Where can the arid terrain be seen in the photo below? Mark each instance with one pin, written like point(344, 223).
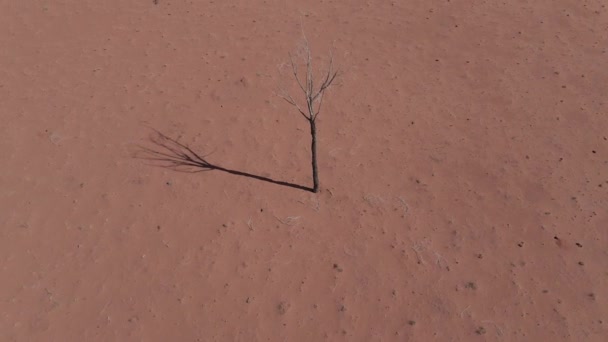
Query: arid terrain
point(463, 163)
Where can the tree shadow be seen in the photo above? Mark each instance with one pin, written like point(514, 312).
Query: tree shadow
point(171, 154)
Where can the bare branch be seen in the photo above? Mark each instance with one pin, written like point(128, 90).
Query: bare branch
point(326, 84)
point(309, 71)
point(319, 107)
point(308, 57)
point(294, 69)
point(292, 102)
point(330, 76)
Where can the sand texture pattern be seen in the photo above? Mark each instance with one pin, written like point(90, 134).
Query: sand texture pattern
point(462, 154)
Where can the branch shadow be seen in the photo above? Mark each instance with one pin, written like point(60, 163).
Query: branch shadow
point(171, 154)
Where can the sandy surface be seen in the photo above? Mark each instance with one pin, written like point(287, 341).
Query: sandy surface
point(463, 160)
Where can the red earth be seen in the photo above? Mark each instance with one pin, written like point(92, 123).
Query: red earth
point(463, 159)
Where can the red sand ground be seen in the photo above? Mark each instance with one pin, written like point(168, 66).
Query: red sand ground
point(463, 158)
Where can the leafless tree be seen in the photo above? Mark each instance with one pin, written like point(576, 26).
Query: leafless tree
point(312, 96)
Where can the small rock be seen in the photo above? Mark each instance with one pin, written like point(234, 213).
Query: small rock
point(480, 331)
point(471, 285)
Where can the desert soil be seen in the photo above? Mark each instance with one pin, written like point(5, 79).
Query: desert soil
point(463, 157)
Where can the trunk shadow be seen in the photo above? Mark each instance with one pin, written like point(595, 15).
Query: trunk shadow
point(171, 154)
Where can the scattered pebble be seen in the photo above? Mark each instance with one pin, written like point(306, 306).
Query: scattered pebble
point(480, 331)
point(282, 308)
point(471, 285)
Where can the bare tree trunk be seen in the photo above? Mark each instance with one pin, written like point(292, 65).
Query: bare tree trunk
point(315, 171)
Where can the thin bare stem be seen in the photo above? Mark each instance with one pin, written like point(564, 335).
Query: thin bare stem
point(294, 69)
point(291, 101)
